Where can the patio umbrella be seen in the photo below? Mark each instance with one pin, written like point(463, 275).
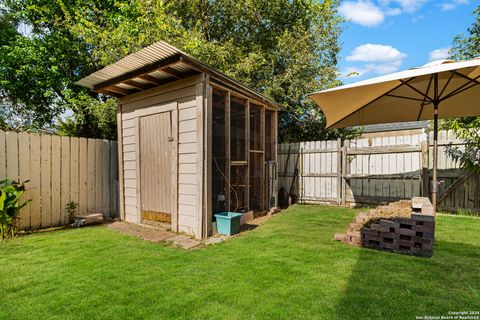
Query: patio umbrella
point(444, 89)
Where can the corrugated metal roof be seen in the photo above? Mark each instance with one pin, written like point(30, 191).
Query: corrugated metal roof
point(152, 55)
point(155, 52)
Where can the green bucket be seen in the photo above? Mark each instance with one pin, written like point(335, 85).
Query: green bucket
point(228, 223)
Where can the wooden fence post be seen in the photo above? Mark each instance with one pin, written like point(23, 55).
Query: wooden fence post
point(344, 172)
point(300, 175)
point(425, 176)
point(339, 171)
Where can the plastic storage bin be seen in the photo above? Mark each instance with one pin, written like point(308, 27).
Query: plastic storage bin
point(228, 223)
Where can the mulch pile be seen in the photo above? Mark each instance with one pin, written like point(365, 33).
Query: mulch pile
point(399, 209)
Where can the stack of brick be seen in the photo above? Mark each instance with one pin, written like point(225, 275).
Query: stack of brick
point(414, 235)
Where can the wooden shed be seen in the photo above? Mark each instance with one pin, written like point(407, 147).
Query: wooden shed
point(192, 141)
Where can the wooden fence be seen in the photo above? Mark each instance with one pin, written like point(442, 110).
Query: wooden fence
point(377, 168)
point(60, 170)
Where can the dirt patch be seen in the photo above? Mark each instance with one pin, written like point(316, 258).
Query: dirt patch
point(153, 234)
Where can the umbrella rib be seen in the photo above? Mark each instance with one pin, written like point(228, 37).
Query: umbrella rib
point(466, 77)
point(452, 73)
point(416, 90)
point(462, 87)
point(402, 97)
point(457, 91)
point(424, 98)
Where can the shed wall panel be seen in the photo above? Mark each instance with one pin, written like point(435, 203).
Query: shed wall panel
point(185, 100)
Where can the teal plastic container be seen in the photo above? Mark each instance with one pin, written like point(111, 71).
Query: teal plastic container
point(228, 223)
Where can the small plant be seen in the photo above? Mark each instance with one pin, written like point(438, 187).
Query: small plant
point(10, 193)
point(71, 209)
point(467, 212)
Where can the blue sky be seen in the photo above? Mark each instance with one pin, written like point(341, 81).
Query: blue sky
point(384, 36)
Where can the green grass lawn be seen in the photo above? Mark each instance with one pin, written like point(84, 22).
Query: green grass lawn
point(288, 268)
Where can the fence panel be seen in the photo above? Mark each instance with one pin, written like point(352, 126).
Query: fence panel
point(383, 168)
point(60, 170)
point(318, 167)
point(377, 168)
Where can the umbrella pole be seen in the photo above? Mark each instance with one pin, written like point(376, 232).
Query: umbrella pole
point(435, 157)
point(435, 143)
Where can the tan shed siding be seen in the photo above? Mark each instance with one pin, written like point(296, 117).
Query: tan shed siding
point(185, 100)
point(187, 163)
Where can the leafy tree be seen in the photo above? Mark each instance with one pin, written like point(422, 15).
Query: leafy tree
point(284, 49)
point(38, 71)
point(468, 47)
point(91, 118)
point(466, 128)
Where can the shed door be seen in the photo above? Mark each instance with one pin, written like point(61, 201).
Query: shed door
point(156, 166)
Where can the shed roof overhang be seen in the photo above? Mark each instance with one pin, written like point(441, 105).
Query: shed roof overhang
point(155, 65)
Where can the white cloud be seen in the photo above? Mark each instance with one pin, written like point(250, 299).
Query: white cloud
point(376, 58)
point(393, 11)
point(439, 54)
point(384, 68)
point(372, 13)
point(410, 5)
point(375, 52)
point(362, 12)
point(446, 6)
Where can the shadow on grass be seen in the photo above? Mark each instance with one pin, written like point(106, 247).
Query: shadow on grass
point(386, 285)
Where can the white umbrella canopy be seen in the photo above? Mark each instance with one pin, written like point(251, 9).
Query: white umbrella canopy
point(444, 89)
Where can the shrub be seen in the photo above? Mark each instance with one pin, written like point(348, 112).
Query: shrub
point(71, 209)
point(10, 193)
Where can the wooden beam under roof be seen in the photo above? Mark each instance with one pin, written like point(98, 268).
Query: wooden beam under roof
point(152, 79)
point(174, 73)
point(137, 85)
point(137, 72)
point(117, 90)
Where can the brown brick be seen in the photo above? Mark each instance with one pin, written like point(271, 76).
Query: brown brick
point(389, 223)
point(405, 232)
point(387, 235)
point(367, 231)
point(419, 202)
point(374, 238)
point(421, 228)
point(422, 240)
point(426, 241)
point(429, 224)
point(409, 222)
point(379, 227)
point(428, 209)
point(423, 217)
point(405, 243)
point(428, 235)
point(427, 246)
